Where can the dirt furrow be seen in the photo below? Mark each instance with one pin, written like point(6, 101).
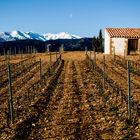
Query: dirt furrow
point(45, 118)
point(22, 128)
point(62, 120)
point(65, 121)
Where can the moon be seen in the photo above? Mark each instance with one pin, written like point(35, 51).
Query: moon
point(71, 15)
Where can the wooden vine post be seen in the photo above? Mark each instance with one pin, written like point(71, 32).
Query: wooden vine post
point(104, 71)
point(4, 52)
point(94, 59)
point(86, 54)
point(90, 58)
point(56, 55)
point(10, 54)
point(40, 68)
point(129, 89)
point(124, 57)
point(114, 55)
point(86, 50)
point(15, 51)
point(50, 61)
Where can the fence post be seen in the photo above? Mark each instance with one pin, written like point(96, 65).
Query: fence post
point(20, 53)
point(89, 62)
point(86, 54)
point(4, 51)
point(35, 53)
point(50, 60)
point(124, 57)
point(129, 89)
point(15, 51)
point(90, 54)
point(10, 54)
point(59, 52)
point(94, 59)
point(40, 68)
point(56, 55)
point(29, 51)
point(104, 71)
point(4, 56)
point(114, 55)
point(86, 50)
point(8, 57)
point(10, 92)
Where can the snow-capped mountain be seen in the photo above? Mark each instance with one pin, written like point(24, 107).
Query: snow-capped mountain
point(35, 36)
point(61, 35)
point(18, 35)
point(5, 36)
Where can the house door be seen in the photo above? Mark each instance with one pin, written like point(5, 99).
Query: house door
point(132, 46)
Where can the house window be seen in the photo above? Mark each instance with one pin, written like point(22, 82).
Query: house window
point(132, 46)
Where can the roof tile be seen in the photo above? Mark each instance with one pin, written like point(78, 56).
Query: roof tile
point(124, 32)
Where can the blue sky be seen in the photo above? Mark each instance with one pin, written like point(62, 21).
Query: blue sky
point(80, 17)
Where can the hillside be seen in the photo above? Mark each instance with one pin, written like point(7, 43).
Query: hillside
point(41, 46)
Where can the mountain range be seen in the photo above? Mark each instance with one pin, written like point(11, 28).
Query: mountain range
point(18, 35)
point(16, 40)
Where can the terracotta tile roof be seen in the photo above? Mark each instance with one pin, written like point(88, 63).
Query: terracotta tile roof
point(124, 32)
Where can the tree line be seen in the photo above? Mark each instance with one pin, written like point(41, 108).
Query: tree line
point(97, 42)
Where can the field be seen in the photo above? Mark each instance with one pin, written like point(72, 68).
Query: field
point(72, 96)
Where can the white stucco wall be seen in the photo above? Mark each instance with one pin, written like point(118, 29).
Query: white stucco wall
point(119, 44)
point(107, 43)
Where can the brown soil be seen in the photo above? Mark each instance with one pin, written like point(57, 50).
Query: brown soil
point(74, 105)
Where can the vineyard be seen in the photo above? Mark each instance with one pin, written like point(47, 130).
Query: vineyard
point(73, 95)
